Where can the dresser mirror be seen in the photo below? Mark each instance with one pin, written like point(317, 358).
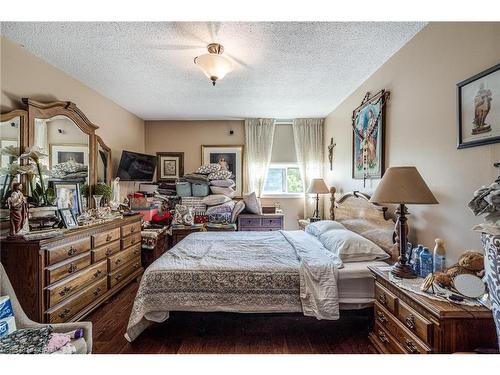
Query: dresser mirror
point(104, 166)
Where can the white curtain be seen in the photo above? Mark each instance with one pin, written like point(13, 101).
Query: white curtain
point(308, 137)
point(259, 135)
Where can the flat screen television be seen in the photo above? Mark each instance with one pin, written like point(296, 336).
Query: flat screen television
point(136, 167)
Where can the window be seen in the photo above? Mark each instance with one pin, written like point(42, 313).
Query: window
point(283, 179)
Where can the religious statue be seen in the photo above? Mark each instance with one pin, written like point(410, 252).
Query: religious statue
point(115, 194)
point(330, 152)
point(18, 206)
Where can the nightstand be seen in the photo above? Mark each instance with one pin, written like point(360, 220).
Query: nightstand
point(264, 222)
point(409, 323)
point(181, 232)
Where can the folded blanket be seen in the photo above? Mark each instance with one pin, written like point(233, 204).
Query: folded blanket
point(198, 177)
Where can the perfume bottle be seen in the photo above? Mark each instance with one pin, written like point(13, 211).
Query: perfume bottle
point(425, 262)
point(439, 256)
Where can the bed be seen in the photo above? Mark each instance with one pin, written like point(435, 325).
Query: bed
point(265, 272)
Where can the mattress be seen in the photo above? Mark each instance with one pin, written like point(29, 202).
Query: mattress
point(356, 285)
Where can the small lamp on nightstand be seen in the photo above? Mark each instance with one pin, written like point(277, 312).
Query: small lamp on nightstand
point(403, 185)
point(317, 187)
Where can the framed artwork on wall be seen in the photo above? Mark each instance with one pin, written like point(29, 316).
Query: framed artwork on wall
point(170, 165)
point(230, 158)
point(479, 109)
point(62, 153)
point(368, 123)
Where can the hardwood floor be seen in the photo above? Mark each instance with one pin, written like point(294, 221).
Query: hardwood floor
point(197, 333)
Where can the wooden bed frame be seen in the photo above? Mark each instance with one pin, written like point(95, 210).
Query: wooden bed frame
point(355, 207)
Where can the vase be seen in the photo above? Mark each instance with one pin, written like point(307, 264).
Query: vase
point(491, 246)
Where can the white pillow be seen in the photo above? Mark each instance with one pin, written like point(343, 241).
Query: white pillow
point(319, 227)
point(350, 246)
point(215, 199)
point(228, 192)
point(238, 208)
point(252, 204)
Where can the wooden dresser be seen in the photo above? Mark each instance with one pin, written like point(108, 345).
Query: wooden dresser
point(406, 322)
point(264, 222)
point(63, 279)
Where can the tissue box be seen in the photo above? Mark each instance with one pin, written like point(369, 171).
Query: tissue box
point(7, 326)
point(5, 307)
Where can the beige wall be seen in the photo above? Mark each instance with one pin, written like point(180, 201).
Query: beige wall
point(189, 136)
point(421, 127)
point(25, 75)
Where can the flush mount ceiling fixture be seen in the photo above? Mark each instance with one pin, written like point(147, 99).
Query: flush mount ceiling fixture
point(213, 64)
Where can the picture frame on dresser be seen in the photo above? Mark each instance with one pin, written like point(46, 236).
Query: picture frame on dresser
point(68, 218)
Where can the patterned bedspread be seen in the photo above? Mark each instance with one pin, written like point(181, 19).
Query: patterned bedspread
point(238, 272)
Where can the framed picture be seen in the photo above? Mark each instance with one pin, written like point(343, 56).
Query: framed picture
point(479, 109)
point(68, 195)
point(368, 123)
point(68, 218)
point(68, 152)
point(230, 158)
point(170, 165)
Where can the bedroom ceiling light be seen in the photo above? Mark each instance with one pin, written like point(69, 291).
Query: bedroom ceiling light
point(213, 64)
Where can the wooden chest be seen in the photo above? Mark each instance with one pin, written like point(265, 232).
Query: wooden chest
point(63, 279)
point(264, 222)
point(408, 323)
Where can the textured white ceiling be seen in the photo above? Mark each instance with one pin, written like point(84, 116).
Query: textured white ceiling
point(282, 69)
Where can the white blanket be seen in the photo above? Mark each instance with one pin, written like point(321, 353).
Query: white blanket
point(287, 271)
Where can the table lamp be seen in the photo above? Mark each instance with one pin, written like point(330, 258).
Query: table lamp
point(317, 187)
point(402, 186)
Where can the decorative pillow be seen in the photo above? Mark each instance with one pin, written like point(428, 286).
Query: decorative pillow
point(252, 204)
point(26, 341)
point(215, 199)
point(319, 227)
point(228, 192)
point(209, 168)
point(220, 218)
point(195, 202)
point(222, 183)
point(238, 209)
point(220, 175)
point(221, 208)
point(183, 215)
point(350, 246)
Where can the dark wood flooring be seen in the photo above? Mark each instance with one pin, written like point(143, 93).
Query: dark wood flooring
point(197, 333)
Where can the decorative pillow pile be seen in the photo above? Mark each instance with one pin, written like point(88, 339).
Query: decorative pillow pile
point(238, 209)
point(220, 175)
point(319, 227)
point(252, 204)
point(215, 199)
point(209, 168)
point(222, 183)
point(228, 192)
point(183, 215)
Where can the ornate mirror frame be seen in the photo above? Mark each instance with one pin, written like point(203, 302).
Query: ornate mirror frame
point(100, 143)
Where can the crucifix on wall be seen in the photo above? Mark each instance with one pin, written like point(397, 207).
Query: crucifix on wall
point(330, 152)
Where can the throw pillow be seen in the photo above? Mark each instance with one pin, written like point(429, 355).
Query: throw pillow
point(222, 183)
point(252, 204)
point(214, 200)
point(220, 218)
point(209, 168)
point(228, 192)
point(183, 215)
point(220, 175)
point(238, 209)
point(221, 208)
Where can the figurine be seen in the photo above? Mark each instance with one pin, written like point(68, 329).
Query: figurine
point(18, 206)
point(115, 195)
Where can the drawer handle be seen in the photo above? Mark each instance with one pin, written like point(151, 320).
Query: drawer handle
point(136, 266)
point(133, 241)
point(410, 346)
point(382, 299)
point(118, 261)
point(109, 251)
point(382, 336)
point(410, 321)
point(118, 277)
point(98, 272)
point(97, 291)
point(109, 237)
point(381, 317)
point(64, 314)
point(65, 291)
point(72, 268)
point(72, 251)
point(132, 230)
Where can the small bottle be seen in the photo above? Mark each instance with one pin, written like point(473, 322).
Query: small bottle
point(416, 258)
point(425, 262)
point(439, 256)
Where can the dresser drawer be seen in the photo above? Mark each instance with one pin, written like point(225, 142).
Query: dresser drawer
point(249, 222)
point(105, 251)
point(70, 307)
point(414, 322)
point(272, 223)
point(131, 240)
point(60, 253)
point(131, 229)
point(384, 339)
point(121, 273)
point(70, 266)
point(69, 286)
point(386, 298)
point(124, 256)
point(105, 237)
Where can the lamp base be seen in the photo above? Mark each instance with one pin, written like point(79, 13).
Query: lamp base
point(313, 219)
point(403, 271)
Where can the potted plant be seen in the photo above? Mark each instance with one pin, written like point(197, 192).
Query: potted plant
point(105, 191)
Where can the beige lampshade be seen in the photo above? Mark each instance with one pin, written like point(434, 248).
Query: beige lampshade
point(317, 186)
point(403, 185)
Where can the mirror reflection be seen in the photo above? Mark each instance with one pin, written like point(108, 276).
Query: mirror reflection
point(10, 134)
point(103, 159)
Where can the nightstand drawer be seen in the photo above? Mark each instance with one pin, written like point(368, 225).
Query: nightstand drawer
point(414, 322)
point(250, 222)
point(386, 298)
point(385, 340)
point(272, 223)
